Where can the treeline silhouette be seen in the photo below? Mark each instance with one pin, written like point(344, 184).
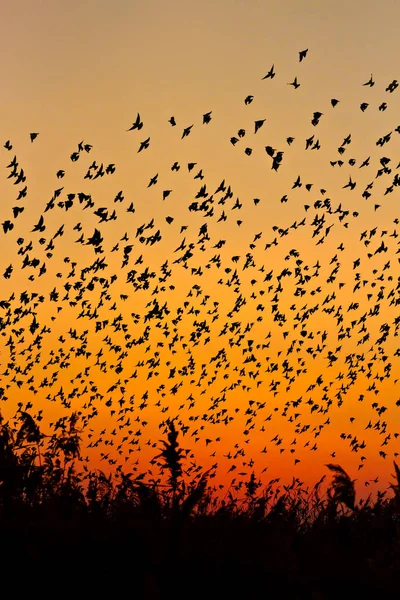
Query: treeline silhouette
point(84, 529)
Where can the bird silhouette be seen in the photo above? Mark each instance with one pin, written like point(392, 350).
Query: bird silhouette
point(137, 124)
point(295, 83)
point(186, 131)
point(302, 54)
point(271, 73)
point(370, 82)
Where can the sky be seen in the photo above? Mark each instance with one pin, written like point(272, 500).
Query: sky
point(244, 328)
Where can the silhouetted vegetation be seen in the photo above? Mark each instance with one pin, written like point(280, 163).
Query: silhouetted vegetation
point(118, 531)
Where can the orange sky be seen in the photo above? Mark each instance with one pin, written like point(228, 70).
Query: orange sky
point(82, 72)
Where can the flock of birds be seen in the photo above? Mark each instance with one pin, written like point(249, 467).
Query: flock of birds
point(212, 360)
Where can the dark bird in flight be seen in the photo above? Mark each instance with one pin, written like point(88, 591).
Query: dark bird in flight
point(302, 54)
point(295, 83)
point(334, 102)
point(40, 226)
point(153, 180)
point(392, 86)
point(7, 226)
point(364, 106)
point(172, 121)
point(277, 160)
point(297, 183)
point(270, 151)
point(248, 99)
point(207, 118)
point(316, 118)
point(351, 184)
point(271, 73)
point(33, 136)
point(258, 125)
point(186, 131)
point(8, 145)
point(370, 81)
point(144, 145)
point(17, 210)
point(138, 124)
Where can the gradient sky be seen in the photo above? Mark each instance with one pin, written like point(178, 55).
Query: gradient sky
point(82, 71)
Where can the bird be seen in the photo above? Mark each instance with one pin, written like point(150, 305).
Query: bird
point(351, 184)
point(302, 54)
point(172, 121)
point(186, 131)
point(40, 226)
point(33, 136)
point(297, 183)
point(206, 118)
point(295, 83)
point(137, 124)
point(271, 73)
point(144, 145)
point(392, 86)
point(248, 100)
point(258, 124)
point(370, 82)
point(316, 117)
point(153, 180)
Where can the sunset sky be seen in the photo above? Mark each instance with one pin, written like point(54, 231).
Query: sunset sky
point(268, 318)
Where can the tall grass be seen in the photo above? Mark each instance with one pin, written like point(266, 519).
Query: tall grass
point(301, 541)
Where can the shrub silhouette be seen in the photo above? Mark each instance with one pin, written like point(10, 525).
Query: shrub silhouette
point(294, 537)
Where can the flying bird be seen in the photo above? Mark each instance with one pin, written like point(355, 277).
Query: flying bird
point(138, 124)
point(271, 73)
point(258, 124)
point(370, 82)
point(144, 145)
point(186, 131)
point(302, 54)
point(295, 83)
